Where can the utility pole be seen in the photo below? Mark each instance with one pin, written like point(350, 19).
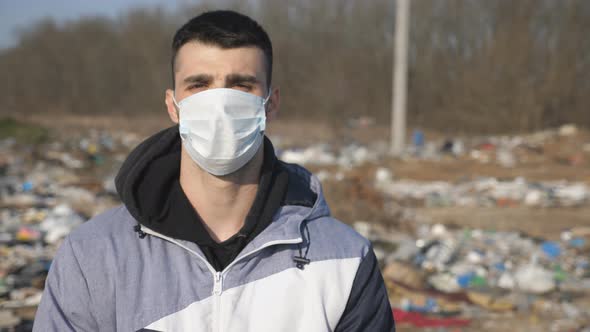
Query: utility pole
point(400, 77)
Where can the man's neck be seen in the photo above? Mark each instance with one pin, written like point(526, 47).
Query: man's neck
point(222, 202)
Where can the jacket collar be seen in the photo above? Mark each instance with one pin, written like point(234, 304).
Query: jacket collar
point(286, 227)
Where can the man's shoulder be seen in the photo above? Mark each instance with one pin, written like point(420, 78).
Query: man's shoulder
point(335, 239)
point(97, 244)
point(115, 222)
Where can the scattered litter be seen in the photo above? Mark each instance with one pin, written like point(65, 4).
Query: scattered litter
point(485, 192)
point(490, 270)
point(432, 271)
point(45, 192)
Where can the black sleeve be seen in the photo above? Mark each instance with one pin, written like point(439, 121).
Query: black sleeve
point(368, 307)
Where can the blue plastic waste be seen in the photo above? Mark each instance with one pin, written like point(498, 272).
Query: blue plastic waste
point(551, 249)
point(464, 280)
point(428, 307)
point(577, 242)
point(27, 186)
point(418, 138)
point(500, 266)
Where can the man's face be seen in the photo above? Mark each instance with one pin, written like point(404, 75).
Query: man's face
point(200, 67)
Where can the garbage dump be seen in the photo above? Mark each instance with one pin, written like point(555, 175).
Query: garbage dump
point(438, 273)
point(459, 278)
point(485, 192)
point(323, 154)
point(438, 276)
point(561, 146)
point(46, 191)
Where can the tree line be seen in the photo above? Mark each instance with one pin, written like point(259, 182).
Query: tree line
point(475, 65)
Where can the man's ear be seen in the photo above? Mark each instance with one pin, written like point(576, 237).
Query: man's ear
point(170, 106)
point(273, 103)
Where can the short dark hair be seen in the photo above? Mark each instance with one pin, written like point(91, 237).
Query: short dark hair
point(226, 29)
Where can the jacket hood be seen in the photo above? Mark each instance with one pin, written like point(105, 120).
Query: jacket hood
point(150, 169)
point(153, 166)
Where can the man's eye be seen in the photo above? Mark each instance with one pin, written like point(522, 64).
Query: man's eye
point(196, 86)
point(243, 86)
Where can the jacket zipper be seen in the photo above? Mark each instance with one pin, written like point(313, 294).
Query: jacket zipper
point(218, 284)
point(217, 288)
point(218, 276)
point(211, 269)
point(169, 239)
point(266, 245)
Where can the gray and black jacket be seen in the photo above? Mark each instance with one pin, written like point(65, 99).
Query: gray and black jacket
point(305, 271)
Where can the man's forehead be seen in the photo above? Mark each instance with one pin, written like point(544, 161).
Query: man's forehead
point(199, 58)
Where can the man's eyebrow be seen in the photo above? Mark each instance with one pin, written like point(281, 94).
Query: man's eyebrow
point(199, 78)
point(233, 79)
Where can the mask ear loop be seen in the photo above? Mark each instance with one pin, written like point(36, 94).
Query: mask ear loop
point(177, 106)
point(267, 97)
point(174, 100)
point(263, 125)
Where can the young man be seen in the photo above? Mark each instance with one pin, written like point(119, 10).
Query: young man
point(215, 233)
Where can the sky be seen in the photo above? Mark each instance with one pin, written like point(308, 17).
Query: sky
point(16, 14)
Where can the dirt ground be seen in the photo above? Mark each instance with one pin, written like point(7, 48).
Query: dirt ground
point(541, 223)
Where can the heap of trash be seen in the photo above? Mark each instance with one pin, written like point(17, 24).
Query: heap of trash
point(451, 276)
point(504, 151)
point(323, 154)
point(483, 192)
point(436, 276)
point(46, 191)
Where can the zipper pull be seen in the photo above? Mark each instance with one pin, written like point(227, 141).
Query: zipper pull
point(217, 283)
